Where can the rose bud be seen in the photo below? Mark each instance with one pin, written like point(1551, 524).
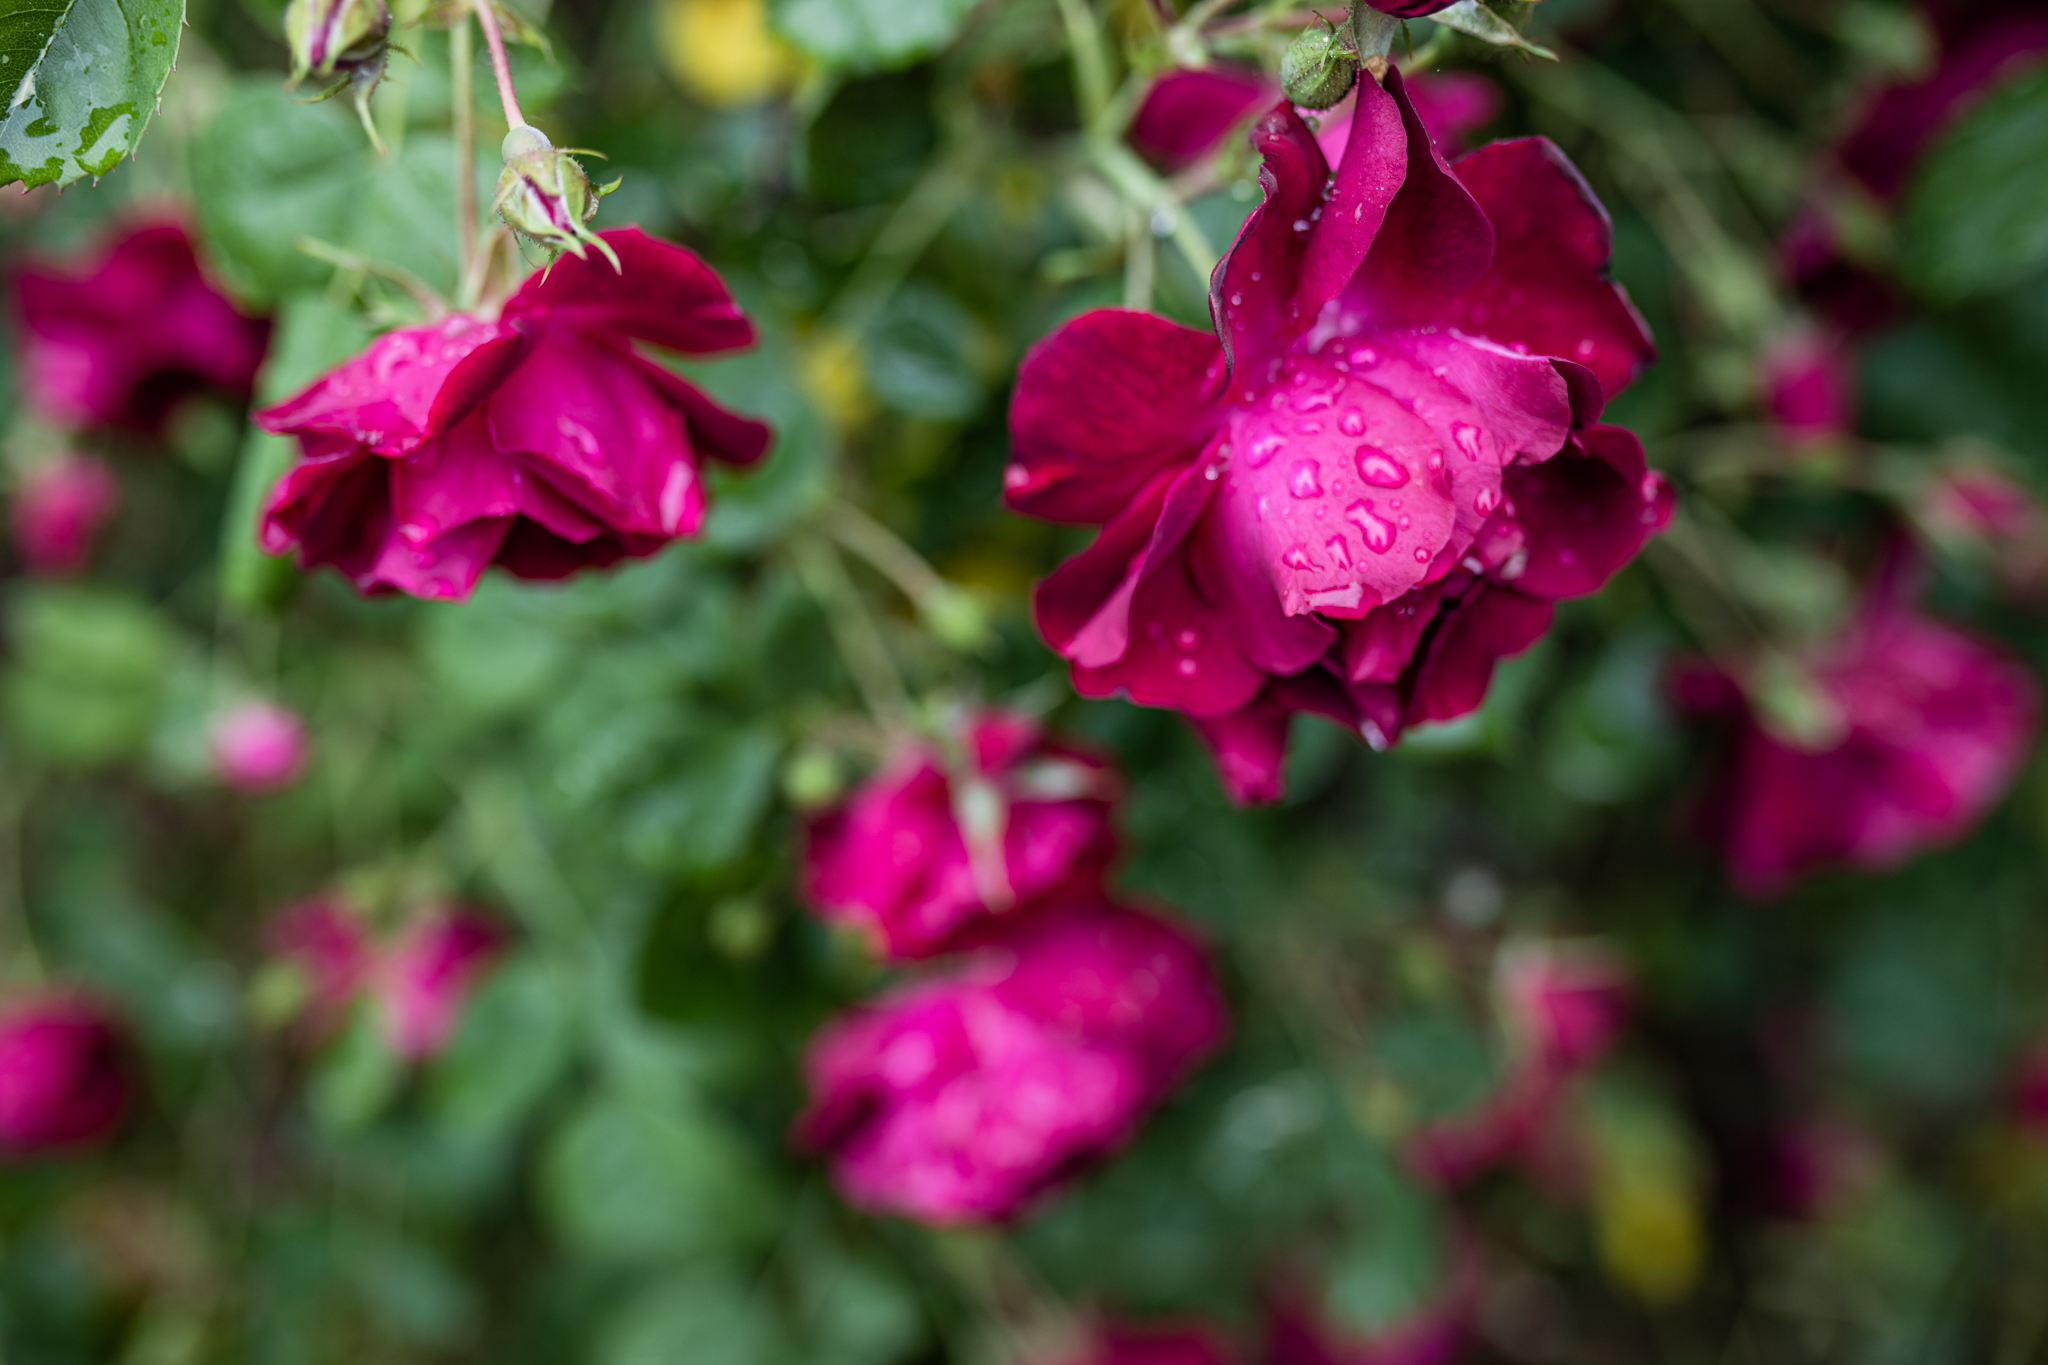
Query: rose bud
point(1564, 1003)
point(929, 850)
point(326, 946)
point(544, 196)
point(1809, 389)
point(331, 38)
point(1318, 68)
point(1375, 477)
point(59, 509)
point(259, 746)
point(63, 1078)
point(424, 980)
point(122, 341)
point(963, 1097)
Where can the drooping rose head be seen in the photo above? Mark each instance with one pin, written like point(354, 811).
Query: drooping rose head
point(539, 440)
point(1378, 475)
point(121, 341)
point(259, 746)
point(1933, 725)
point(1809, 388)
point(422, 980)
point(58, 510)
point(63, 1075)
point(960, 1098)
point(1564, 1003)
point(1187, 114)
point(329, 945)
point(939, 847)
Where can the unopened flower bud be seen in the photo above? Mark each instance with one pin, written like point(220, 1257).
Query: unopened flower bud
point(544, 196)
point(332, 38)
point(259, 746)
point(1318, 69)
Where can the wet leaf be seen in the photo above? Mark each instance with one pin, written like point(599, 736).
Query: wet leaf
point(80, 80)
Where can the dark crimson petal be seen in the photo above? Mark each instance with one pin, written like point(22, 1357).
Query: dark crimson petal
point(1179, 653)
point(1187, 114)
point(475, 377)
point(1368, 182)
point(1431, 247)
point(335, 508)
point(1581, 519)
point(715, 429)
point(1090, 627)
point(1250, 749)
point(387, 398)
point(1379, 647)
point(665, 294)
point(532, 551)
point(1549, 289)
point(1623, 452)
point(1583, 386)
point(1488, 625)
point(1101, 406)
point(1252, 294)
point(1227, 572)
point(1410, 9)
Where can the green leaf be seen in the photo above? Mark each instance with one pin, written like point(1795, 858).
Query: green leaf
point(1475, 20)
point(90, 667)
point(869, 35)
point(80, 79)
point(271, 170)
point(706, 1318)
point(1977, 213)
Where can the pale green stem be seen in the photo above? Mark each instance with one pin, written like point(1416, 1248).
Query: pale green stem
point(460, 75)
point(500, 67)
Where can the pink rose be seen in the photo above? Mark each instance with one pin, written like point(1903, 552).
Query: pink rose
point(58, 511)
point(122, 341)
point(961, 1097)
point(259, 746)
point(63, 1078)
point(1380, 477)
point(1809, 388)
point(537, 440)
point(1564, 1003)
point(929, 849)
point(422, 981)
point(328, 942)
point(1933, 727)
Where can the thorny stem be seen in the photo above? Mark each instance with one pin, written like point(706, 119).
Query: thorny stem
point(499, 66)
point(460, 59)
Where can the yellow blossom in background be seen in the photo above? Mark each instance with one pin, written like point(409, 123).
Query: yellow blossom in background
point(722, 51)
point(833, 377)
point(1648, 1192)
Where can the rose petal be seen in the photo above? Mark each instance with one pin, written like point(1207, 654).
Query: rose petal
point(664, 294)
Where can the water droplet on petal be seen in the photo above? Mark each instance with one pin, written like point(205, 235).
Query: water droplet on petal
point(1365, 355)
point(1586, 348)
point(1188, 638)
point(1436, 462)
point(1380, 469)
point(1187, 668)
point(1264, 450)
point(1306, 480)
point(1485, 501)
point(1421, 555)
point(1467, 438)
point(1377, 530)
point(1352, 423)
point(1339, 552)
point(1298, 557)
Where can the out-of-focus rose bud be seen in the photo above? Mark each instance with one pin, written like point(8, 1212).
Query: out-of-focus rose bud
point(1817, 1166)
point(259, 746)
point(326, 946)
point(1809, 388)
point(1563, 1002)
point(426, 977)
point(63, 1079)
point(544, 196)
point(722, 51)
point(331, 38)
point(1187, 115)
point(58, 511)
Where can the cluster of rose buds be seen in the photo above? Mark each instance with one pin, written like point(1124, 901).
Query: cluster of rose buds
point(416, 980)
point(1062, 1016)
point(1563, 1005)
point(117, 343)
point(1376, 477)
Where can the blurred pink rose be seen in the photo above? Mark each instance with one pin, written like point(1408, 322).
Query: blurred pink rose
point(961, 1097)
point(58, 511)
point(1187, 114)
point(328, 941)
point(63, 1077)
point(1933, 726)
point(259, 746)
point(423, 980)
point(1565, 1003)
point(930, 850)
point(121, 341)
point(1809, 388)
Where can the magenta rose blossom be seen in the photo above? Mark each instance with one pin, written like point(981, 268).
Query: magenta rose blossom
point(537, 440)
point(1564, 1003)
point(1809, 388)
point(259, 746)
point(328, 943)
point(120, 342)
point(960, 1098)
point(63, 1075)
point(1933, 727)
point(422, 981)
point(1187, 114)
point(918, 855)
point(58, 511)
point(1378, 475)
